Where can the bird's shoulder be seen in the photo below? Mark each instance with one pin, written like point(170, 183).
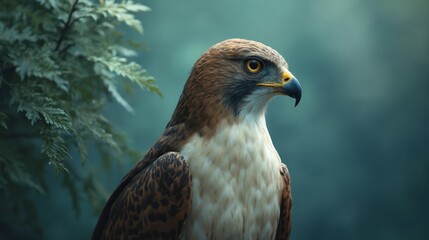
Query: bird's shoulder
point(151, 181)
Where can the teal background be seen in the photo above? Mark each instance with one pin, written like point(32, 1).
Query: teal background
point(356, 146)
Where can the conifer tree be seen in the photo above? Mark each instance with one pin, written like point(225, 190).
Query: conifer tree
point(61, 61)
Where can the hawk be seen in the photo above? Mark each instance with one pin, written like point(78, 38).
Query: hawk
point(214, 173)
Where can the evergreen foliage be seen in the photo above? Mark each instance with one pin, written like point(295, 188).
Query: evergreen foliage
point(61, 61)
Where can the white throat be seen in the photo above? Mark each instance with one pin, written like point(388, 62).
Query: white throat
point(254, 106)
point(236, 182)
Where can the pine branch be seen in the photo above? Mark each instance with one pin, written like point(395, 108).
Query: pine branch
point(61, 62)
point(67, 25)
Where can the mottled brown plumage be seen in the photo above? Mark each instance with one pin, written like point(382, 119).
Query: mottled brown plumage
point(147, 198)
point(285, 223)
point(154, 200)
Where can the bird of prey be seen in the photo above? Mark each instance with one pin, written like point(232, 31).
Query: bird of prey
point(214, 173)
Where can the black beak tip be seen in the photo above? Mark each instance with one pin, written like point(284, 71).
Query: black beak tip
point(297, 98)
point(297, 101)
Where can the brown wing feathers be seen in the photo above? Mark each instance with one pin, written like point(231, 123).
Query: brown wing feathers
point(153, 204)
point(284, 226)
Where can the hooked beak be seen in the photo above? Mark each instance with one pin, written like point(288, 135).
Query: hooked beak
point(292, 89)
point(289, 86)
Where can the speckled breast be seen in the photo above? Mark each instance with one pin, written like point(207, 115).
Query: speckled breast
point(236, 183)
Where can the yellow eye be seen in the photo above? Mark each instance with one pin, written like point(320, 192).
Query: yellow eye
point(253, 65)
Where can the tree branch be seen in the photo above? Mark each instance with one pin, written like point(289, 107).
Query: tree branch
point(67, 25)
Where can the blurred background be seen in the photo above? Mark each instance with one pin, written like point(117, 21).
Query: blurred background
point(356, 146)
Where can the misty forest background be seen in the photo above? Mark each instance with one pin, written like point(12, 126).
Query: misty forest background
point(356, 146)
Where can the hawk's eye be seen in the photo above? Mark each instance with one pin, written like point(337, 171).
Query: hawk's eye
point(253, 65)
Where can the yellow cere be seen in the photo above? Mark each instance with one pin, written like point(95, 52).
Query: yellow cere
point(286, 76)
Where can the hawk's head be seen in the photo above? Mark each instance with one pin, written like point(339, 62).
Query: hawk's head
point(233, 79)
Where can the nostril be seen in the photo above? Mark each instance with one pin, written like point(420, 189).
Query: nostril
point(286, 79)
